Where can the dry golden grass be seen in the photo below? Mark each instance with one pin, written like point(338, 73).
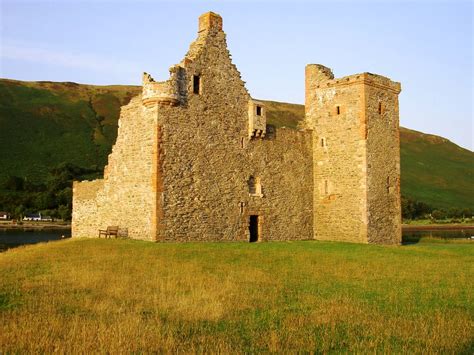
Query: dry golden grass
point(130, 296)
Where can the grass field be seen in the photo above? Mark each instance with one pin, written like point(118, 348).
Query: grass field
point(130, 296)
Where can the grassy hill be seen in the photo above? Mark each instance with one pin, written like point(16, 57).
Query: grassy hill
point(123, 296)
point(44, 124)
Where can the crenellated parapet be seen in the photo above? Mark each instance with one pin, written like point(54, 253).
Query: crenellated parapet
point(162, 92)
point(257, 119)
point(370, 79)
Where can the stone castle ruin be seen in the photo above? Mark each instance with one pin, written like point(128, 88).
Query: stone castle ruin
point(195, 159)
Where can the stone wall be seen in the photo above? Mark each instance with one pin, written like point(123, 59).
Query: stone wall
point(127, 195)
point(383, 160)
point(208, 158)
point(356, 154)
point(335, 113)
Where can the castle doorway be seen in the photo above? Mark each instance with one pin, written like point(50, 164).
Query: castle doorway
point(253, 228)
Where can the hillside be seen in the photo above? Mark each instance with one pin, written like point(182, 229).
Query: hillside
point(45, 124)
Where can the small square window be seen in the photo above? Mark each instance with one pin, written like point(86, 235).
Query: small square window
point(259, 110)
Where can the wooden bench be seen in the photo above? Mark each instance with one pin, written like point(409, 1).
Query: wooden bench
point(109, 232)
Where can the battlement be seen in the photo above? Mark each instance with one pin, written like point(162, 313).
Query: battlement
point(209, 21)
point(374, 80)
point(161, 92)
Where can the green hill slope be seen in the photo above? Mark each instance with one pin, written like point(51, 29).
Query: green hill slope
point(43, 124)
point(46, 124)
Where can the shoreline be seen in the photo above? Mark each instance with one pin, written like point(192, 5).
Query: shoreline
point(436, 227)
point(38, 226)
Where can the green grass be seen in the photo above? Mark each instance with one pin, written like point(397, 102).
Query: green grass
point(436, 171)
point(44, 124)
point(131, 296)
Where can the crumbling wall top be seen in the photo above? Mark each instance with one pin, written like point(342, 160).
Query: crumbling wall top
point(210, 20)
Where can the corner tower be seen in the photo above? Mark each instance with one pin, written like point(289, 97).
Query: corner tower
point(356, 156)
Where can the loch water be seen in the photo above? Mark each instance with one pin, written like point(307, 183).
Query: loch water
point(14, 238)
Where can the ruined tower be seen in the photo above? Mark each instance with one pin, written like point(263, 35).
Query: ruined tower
point(195, 159)
point(356, 156)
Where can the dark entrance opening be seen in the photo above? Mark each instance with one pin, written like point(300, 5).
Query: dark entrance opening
point(253, 228)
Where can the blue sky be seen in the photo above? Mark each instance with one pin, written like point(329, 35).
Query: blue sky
point(426, 45)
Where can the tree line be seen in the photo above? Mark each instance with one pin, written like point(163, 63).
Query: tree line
point(412, 209)
point(53, 197)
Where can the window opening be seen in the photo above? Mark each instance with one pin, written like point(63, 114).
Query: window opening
point(255, 186)
point(380, 108)
point(196, 84)
point(338, 110)
point(259, 110)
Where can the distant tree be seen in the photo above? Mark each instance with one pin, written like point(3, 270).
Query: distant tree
point(438, 214)
point(64, 212)
point(18, 212)
point(467, 213)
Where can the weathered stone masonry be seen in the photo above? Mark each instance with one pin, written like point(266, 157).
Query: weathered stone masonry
point(195, 160)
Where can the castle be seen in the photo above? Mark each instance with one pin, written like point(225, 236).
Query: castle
point(195, 160)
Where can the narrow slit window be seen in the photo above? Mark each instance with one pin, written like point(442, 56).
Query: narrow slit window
point(259, 110)
point(388, 184)
point(338, 110)
point(196, 84)
point(323, 142)
point(241, 208)
point(242, 143)
point(326, 189)
point(380, 108)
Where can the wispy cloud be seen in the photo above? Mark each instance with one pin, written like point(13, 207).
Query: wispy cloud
point(41, 54)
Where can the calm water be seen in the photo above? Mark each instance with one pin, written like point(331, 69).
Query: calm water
point(11, 239)
point(414, 236)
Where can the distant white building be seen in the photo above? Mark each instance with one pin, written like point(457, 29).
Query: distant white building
point(4, 216)
point(37, 217)
point(32, 217)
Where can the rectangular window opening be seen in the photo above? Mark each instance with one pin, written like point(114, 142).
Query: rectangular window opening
point(338, 110)
point(196, 84)
point(380, 108)
point(259, 110)
point(326, 189)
